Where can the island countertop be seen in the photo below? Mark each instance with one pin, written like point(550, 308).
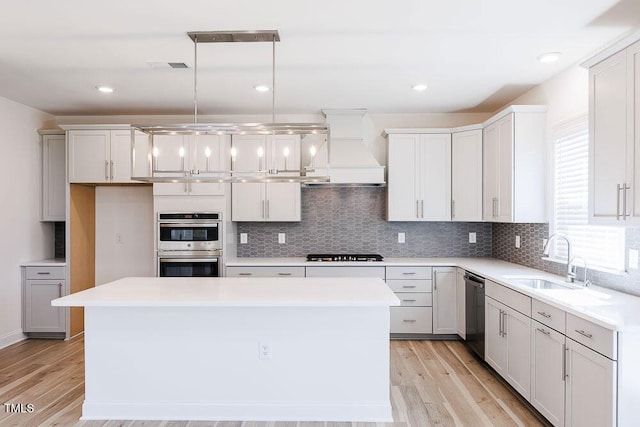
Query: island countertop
point(234, 292)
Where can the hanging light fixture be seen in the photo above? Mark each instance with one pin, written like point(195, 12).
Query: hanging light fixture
point(188, 173)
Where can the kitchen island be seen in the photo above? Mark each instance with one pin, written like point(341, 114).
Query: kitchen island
point(305, 349)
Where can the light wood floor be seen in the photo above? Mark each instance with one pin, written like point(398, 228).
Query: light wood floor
point(432, 383)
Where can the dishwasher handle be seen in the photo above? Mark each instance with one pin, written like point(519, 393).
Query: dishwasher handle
point(474, 280)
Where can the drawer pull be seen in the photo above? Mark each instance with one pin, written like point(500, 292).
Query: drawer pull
point(408, 300)
point(543, 331)
point(409, 321)
point(245, 274)
point(543, 314)
point(409, 273)
point(44, 272)
point(409, 286)
point(583, 333)
point(284, 274)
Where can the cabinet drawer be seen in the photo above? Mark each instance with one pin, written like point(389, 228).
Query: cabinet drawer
point(411, 320)
point(410, 285)
point(345, 272)
point(265, 271)
point(600, 339)
point(415, 299)
point(548, 315)
point(45, 273)
point(409, 273)
point(509, 297)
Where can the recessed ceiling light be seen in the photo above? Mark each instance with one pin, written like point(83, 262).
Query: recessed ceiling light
point(419, 87)
point(549, 57)
point(262, 88)
point(105, 89)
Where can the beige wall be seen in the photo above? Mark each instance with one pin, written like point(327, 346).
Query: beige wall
point(24, 237)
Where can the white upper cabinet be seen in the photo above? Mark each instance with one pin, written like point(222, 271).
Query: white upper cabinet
point(266, 201)
point(614, 139)
point(419, 177)
point(101, 155)
point(53, 177)
point(514, 165)
point(466, 176)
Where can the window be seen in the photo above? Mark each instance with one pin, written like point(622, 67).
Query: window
point(601, 247)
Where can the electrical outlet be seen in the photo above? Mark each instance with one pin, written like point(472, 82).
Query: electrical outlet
point(243, 238)
point(401, 238)
point(518, 242)
point(281, 238)
point(472, 237)
point(264, 350)
point(633, 258)
point(119, 239)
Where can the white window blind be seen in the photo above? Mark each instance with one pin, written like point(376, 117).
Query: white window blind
point(601, 247)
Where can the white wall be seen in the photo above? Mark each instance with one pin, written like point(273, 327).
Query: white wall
point(126, 212)
point(24, 237)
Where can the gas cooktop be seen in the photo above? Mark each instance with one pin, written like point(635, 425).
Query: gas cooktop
point(344, 257)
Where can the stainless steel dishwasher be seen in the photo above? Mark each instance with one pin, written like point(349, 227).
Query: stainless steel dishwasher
point(474, 313)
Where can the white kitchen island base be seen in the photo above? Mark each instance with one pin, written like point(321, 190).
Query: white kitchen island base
point(268, 361)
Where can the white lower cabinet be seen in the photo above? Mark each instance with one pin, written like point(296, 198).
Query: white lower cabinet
point(40, 286)
point(548, 372)
point(444, 300)
point(413, 286)
point(265, 271)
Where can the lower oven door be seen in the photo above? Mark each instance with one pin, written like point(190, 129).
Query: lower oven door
point(173, 266)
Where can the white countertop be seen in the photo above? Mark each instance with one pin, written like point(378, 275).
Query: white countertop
point(51, 262)
point(605, 307)
point(234, 292)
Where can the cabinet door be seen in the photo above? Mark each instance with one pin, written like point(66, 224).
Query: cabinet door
point(466, 176)
point(89, 155)
point(591, 387)
point(168, 158)
point(490, 172)
point(444, 300)
point(633, 138)
point(517, 328)
point(460, 304)
point(547, 372)
point(53, 178)
point(40, 316)
point(607, 137)
point(435, 177)
point(120, 163)
point(217, 148)
point(495, 350)
point(248, 200)
point(282, 202)
point(403, 166)
point(505, 168)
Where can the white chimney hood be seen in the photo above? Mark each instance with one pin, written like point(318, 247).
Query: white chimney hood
point(351, 161)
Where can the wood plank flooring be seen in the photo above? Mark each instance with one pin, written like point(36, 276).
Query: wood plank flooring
point(432, 383)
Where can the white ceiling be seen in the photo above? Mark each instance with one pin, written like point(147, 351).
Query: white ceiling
point(475, 55)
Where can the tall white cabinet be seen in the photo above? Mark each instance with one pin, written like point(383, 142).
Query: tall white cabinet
point(614, 138)
point(266, 201)
point(53, 176)
point(419, 177)
point(514, 166)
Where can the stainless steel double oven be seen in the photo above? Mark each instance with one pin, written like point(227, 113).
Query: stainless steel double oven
point(189, 244)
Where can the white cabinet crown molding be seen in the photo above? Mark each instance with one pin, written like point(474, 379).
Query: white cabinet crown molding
point(398, 131)
point(96, 127)
point(515, 109)
point(617, 45)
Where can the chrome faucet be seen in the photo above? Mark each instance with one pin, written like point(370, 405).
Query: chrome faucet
point(571, 271)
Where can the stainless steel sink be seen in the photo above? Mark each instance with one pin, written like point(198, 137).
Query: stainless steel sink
point(541, 283)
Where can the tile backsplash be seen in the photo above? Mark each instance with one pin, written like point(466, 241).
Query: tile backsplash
point(530, 254)
point(352, 220)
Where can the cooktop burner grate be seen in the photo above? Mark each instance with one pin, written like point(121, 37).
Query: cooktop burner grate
point(344, 257)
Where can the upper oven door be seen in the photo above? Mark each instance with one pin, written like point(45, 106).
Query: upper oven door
point(189, 236)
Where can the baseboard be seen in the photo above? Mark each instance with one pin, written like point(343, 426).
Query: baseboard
point(12, 338)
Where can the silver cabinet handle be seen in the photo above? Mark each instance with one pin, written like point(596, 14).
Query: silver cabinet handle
point(435, 280)
point(543, 331)
point(409, 320)
point(262, 209)
point(408, 273)
point(417, 208)
point(583, 333)
point(267, 208)
point(500, 323)
point(618, 189)
point(44, 272)
point(494, 207)
point(106, 170)
point(543, 314)
point(625, 187)
point(453, 209)
point(409, 286)
point(284, 274)
point(408, 300)
point(245, 274)
point(564, 362)
point(421, 208)
point(504, 324)
point(111, 169)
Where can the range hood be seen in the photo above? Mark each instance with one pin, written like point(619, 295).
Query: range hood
point(351, 163)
